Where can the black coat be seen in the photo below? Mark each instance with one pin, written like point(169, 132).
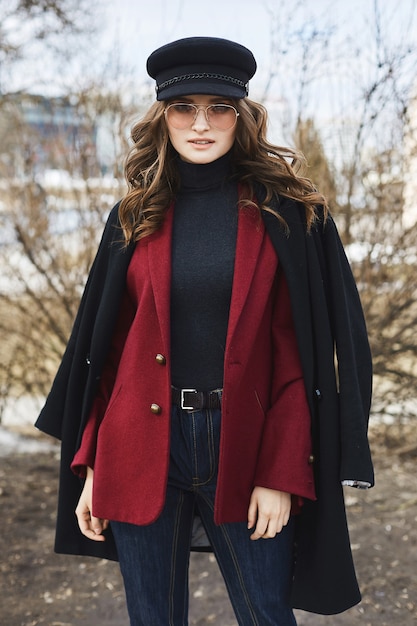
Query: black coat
point(328, 320)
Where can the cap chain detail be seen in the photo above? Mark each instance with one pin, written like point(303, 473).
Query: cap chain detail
point(203, 75)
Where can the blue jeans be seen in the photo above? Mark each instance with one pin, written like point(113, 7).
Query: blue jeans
point(154, 559)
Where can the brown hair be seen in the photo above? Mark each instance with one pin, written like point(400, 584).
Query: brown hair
point(153, 180)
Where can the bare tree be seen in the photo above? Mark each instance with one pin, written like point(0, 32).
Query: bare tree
point(61, 164)
point(357, 156)
point(382, 248)
point(51, 221)
point(35, 35)
point(307, 139)
point(384, 256)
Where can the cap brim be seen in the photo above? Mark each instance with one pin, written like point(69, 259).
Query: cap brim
point(203, 87)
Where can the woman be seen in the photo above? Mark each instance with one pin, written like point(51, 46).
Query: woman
point(199, 381)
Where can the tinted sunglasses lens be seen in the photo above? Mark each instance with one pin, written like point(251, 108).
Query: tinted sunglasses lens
point(180, 115)
point(221, 116)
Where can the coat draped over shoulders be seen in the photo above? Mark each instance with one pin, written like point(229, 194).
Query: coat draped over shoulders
point(330, 328)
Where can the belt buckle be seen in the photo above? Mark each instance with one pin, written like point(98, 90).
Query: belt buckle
point(182, 405)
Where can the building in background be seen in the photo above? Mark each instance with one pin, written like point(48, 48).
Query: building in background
point(39, 133)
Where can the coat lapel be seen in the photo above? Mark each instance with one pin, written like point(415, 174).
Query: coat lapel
point(291, 250)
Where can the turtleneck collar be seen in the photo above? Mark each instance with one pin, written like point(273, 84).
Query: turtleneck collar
point(200, 177)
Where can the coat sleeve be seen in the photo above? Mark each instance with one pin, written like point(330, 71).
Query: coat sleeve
point(285, 458)
point(353, 356)
point(50, 419)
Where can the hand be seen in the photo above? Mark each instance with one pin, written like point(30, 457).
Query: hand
point(91, 527)
point(269, 510)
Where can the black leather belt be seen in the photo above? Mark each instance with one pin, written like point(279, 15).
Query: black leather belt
point(193, 400)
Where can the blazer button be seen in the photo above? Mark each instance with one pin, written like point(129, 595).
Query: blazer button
point(311, 459)
point(155, 408)
point(159, 358)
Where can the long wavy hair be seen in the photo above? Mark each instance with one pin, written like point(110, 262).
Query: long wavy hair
point(153, 180)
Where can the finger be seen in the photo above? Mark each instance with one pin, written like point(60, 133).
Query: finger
point(93, 533)
point(280, 521)
point(90, 527)
point(283, 520)
point(252, 513)
point(271, 530)
point(276, 525)
point(96, 524)
point(90, 534)
point(260, 528)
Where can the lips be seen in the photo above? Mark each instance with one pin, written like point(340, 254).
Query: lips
point(201, 142)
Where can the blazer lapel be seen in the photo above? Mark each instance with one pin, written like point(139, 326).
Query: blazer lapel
point(159, 257)
point(250, 234)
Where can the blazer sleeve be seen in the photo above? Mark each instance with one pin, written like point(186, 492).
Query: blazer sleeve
point(285, 458)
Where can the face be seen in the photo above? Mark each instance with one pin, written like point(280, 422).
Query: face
point(201, 142)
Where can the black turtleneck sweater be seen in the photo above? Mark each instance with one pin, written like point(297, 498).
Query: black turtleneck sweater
point(203, 253)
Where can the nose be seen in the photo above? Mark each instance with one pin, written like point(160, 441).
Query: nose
point(200, 121)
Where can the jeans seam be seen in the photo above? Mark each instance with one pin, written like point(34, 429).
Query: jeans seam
point(173, 562)
point(210, 443)
point(236, 565)
point(195, 455)
point(210, 447)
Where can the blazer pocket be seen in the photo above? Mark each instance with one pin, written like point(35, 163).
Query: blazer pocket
point(113, 399)
point(259, 403)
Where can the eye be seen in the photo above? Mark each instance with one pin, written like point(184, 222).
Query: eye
point(183, 108)
point(220, 109)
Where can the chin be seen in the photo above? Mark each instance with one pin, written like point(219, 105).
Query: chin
point(201, 159)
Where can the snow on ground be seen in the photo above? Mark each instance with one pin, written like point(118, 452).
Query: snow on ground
point(13, 443)
point(18, 417)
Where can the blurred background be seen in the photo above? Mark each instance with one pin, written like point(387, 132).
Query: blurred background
point(339, 80)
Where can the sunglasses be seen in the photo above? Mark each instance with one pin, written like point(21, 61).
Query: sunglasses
point(182, 115)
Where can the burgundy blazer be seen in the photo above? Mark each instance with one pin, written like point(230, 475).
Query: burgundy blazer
point(266, 424)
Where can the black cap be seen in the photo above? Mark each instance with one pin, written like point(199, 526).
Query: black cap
point(201, 65)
